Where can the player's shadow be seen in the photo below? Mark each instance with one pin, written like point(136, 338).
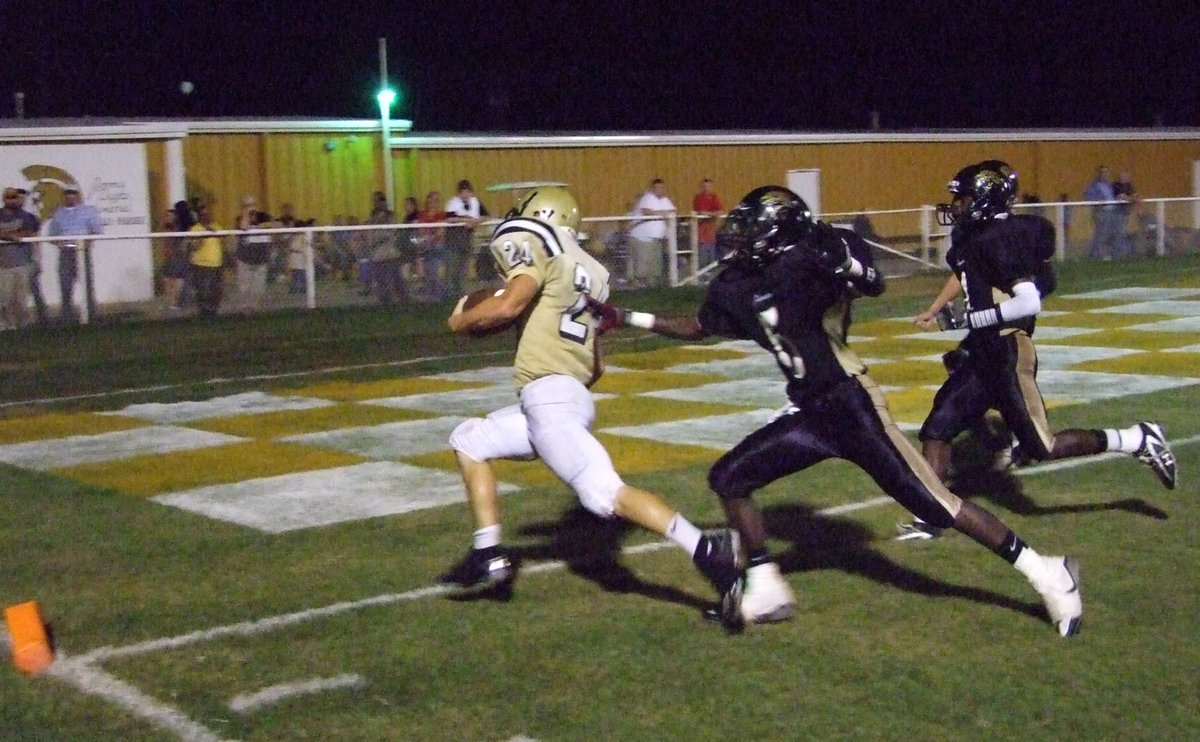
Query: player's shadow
point(1004, 490)
point(591, 546)
point(975, 477)
point(819, 542)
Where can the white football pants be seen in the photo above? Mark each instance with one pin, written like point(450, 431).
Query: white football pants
point(553, 422)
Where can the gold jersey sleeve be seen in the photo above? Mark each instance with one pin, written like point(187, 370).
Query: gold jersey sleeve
point(558, 333)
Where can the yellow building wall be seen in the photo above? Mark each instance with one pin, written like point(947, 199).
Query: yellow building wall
point(323, 181)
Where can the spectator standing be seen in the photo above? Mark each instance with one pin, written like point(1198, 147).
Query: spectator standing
point(709, 210)
point(72, 218)
point(35, 274)
point(175, 263)
point(208, 260)
point(1065, 198)
point(466, 212)
point(253, 255)
point(648, 237)
point(278, 263)
point(297, 262)
point(385, 257)
point(342, 255)
point(16, 259)
point(185, 219)
point(366, 244)
point(1106, 220)
point(432, 245)
point(411, 214)
point(1125, 193)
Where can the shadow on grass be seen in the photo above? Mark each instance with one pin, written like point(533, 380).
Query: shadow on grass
point(1004, 490)
point(973, 455)
point(591, 548)
point(819, 542)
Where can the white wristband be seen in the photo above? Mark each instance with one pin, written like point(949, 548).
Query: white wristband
point(643, 320)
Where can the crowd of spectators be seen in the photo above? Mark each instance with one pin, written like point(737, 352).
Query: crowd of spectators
point(403, 264)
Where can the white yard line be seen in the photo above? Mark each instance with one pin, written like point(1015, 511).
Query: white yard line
point(246, 702)
point(94, 681)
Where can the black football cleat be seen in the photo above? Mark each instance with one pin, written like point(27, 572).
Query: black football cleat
point(481, 571)
point(717, 559)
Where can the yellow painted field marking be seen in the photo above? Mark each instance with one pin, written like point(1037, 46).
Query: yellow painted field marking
point(61, 425)
point(151, 475)
point(651, 380)
point(351, 391)
point(671, 356)
point(296, 422)
point(1151, 364)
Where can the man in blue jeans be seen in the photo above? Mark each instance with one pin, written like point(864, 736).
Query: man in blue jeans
point(72, 218)
point(1106, 239)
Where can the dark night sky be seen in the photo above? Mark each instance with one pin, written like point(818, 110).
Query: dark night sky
point(573, 66)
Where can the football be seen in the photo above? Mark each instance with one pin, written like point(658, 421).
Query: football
point(472, 300)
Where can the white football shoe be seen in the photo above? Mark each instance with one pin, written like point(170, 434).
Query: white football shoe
point(767, 598)
point(1060, 592)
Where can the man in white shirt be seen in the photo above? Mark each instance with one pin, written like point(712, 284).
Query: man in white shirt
point(466, 210)
point(648, 237)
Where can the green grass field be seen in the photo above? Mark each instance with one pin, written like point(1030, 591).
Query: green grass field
point(171, 625)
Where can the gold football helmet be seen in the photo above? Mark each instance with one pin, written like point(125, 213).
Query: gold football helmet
point(551, 204)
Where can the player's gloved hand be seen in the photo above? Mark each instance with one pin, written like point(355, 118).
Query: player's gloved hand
point(829, 250)
point(610, 317)
point(951, 317)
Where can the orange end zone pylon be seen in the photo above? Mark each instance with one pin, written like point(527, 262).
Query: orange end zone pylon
point(31, 650)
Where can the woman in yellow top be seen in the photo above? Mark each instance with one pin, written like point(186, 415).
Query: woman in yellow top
point(208, 257)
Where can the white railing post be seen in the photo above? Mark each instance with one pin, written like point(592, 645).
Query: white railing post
point(1160, 234)
point(694, 241)
point(926, 231)
point(672, 251)
point(1060, 232)
point(310, 287)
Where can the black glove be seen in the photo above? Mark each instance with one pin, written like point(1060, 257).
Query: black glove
point(829, 250)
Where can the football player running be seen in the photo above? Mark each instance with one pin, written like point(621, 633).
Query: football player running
point(548, 281)
point(787, 284)
point(1001, 261)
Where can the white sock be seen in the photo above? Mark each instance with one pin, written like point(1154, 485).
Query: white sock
point(1126, 440)
point(488, 536)
point(1031, 564)
point(681, 531)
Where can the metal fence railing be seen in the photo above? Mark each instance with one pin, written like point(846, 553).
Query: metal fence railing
point(328, 266)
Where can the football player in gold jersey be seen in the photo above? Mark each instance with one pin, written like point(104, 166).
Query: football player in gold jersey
point(548, 279)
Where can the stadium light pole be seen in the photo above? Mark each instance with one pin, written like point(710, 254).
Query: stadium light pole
point(386, 97)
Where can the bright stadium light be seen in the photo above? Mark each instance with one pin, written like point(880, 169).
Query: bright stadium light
point(386, 98)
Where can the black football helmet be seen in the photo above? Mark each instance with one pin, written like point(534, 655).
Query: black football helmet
point(981, 191)
point(767, 222)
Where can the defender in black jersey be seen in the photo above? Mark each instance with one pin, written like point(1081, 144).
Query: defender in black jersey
point(787, 283)
point(1001, 261)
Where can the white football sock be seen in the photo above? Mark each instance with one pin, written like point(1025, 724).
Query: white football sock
point(681, 531)
point(1126, 440)
point(1031, 564)
point(488, 536)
